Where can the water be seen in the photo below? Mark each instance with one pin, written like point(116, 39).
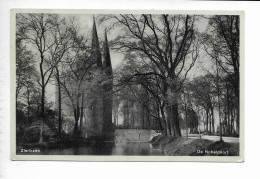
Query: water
point(134, 148)
point(128, 142)
point(104, 148)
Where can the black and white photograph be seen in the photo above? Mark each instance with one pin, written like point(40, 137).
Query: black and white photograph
point(100, 85)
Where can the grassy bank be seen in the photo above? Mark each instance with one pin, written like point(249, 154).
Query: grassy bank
point(194, 147)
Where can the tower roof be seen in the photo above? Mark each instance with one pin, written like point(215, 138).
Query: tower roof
point(95, 49)
point(107, 59)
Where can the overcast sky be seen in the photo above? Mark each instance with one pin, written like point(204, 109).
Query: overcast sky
point(85, 22)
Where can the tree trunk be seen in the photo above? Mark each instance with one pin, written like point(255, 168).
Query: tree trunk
point(232, 122)
point(219, 112)
point(81, 119)
point(81, 113)
point(166, 128)
point(237, 121)
point(186, 119)
point(213, 120)
point(42, 97)
point(168, 119)
point(76, 116)
point(142, 116)
point(148, 121)
point(115, 116)
point(228, 111)
point(28, 104)
point(159, 118)
point(59, 101)
point(176, 124)
point(172, 112)
point(198, 120)
point(172, 118)
point(210, 122)
point(207, 121)
point(42, 112)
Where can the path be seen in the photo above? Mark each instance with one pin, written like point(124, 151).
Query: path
point(214, 138)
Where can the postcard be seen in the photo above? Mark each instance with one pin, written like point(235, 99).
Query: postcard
point(127, 85)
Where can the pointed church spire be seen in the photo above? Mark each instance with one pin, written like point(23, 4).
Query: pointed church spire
point(95, 50)
point(107, 60)
point(108, 129)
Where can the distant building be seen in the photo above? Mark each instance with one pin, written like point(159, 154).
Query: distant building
point(98, 108)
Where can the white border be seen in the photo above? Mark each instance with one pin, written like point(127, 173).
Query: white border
point(129, 170)
point(239, 158)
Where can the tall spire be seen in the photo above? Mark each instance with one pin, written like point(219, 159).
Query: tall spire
point(107, 60)
point(108, 129)
point(95, 50)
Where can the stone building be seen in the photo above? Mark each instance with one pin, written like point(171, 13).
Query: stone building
point(97, 112)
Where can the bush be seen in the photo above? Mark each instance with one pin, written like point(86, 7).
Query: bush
point(32, 135)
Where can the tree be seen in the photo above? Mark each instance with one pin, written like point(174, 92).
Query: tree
point(66, 35)
point(221, 42)
point(50, 40)
point(26, 75)
point(24, 67)
point(204, 93)
point(142, 88)
point(169, 43)
point(77, 70)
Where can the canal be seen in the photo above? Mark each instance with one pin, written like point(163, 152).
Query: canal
point(105, 148)
point(127, 142)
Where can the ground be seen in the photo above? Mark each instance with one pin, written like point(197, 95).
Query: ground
point(194, 147)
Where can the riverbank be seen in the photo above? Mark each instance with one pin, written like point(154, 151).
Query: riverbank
point(90, 147)
point(194, 147)
point(65, 143)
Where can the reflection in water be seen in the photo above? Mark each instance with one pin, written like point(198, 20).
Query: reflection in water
point(103, 148)
point(100, 148)
point(134, 148)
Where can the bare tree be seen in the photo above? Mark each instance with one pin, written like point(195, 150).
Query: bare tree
point(221, 42)
point(49, 40)
point(76, 75)
point(169, 43)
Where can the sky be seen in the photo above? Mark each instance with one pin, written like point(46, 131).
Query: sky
point(85, 21)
